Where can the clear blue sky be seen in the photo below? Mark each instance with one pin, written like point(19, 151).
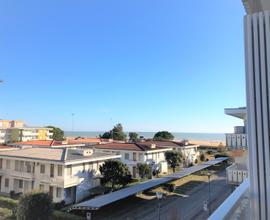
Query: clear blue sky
point(149, 64)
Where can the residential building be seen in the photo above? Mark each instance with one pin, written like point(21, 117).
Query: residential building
point(134, 153)
point(11, 124)
point(238, 139)
point(10, 135)
point(251, 200)
point(188, 151)
point(66, 173)
point(45, 143)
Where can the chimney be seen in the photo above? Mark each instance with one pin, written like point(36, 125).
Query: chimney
point(153, 146)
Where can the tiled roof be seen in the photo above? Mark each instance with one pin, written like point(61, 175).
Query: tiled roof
point(39, 143)
point(84, 140)
point(3, 147)
point(128, 146)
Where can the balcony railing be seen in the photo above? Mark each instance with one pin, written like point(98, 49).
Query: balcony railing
point(236, 206)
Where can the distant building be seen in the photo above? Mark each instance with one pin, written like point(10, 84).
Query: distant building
point(189, 151)
point(238, 139)
point(10, 135)
point(11, 124)
point(134, 153)
point(67, 174)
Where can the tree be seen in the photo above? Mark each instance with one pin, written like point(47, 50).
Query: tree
point(35, 206)
point(163, 135)
point(145, 170)
point(115, 174)
point(174, 158)
point(116, 133)
point(202, 157)
point(58, 134)
point(133, 137)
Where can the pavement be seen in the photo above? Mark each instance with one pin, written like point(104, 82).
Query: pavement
point(172, 207)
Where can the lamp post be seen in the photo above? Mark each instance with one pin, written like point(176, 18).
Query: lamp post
point(159, 197)
point(209, 193)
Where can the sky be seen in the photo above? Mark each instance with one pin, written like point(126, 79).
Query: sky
point(148, 64)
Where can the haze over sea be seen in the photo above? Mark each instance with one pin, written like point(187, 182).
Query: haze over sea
point(178, 135)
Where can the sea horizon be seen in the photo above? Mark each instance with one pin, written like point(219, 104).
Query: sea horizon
point(198, 136)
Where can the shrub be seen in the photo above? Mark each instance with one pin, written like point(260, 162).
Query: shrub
point(5, 213)
point(8, 203)
point(169, 187)
point(34, 206)
point(59, 205)
point(58, 215)
point(134, 180)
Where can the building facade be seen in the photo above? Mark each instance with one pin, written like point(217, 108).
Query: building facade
point(134, 153)
point(10, 135)
point(67, 174)
point(238, 139)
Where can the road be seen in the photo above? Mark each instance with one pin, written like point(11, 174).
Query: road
point(173, 207)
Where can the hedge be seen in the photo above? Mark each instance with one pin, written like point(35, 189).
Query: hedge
point(58, 215)
point(6, 213)
point(8, 203)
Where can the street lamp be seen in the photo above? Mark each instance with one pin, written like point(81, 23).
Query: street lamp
point(159, 197)
point(208, 174)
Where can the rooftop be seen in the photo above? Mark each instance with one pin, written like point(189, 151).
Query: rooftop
point(64, 155)
point(146, 146)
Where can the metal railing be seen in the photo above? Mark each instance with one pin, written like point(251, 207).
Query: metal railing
point(236, 206)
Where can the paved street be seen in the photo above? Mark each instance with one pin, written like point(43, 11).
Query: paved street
point(173, 207)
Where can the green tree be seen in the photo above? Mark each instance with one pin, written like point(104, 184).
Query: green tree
point(133, 137)
point(174, 158)
point(145, 170)
point(202, 157)
point(58, 134)
point(115, 174)
point(34, 206)
point(163, 135)
point(116, 133)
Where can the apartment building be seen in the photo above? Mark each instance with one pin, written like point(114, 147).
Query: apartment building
point(189, 152)
point(66, 173)
point(11, 124)
point(238, 139)
point(134, 153)
point(10, 135)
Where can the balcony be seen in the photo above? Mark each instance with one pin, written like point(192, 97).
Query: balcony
point(71, 181)
point(236, 206)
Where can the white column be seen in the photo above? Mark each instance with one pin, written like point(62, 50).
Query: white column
point(257, 55)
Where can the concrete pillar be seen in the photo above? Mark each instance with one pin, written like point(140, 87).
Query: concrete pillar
point(257, 56)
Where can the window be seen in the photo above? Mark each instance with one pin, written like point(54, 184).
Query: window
point(28, 167)
point(140, 157)
point(126, 156)
point(7, 164)
point(52, 170)
point(51, 191)
point(134, 156)
point(69, 170)
point(20, 184)
point(58, 192)
point(59, 170)
point(6, 182)
point(41, 187)
point(42, 168)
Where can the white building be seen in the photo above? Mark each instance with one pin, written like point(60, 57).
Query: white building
point(66, 173)
point(9, 135)
point(238, 139)
point(189, 151)
point(134, 153)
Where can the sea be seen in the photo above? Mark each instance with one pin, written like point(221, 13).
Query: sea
point(213, 137)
